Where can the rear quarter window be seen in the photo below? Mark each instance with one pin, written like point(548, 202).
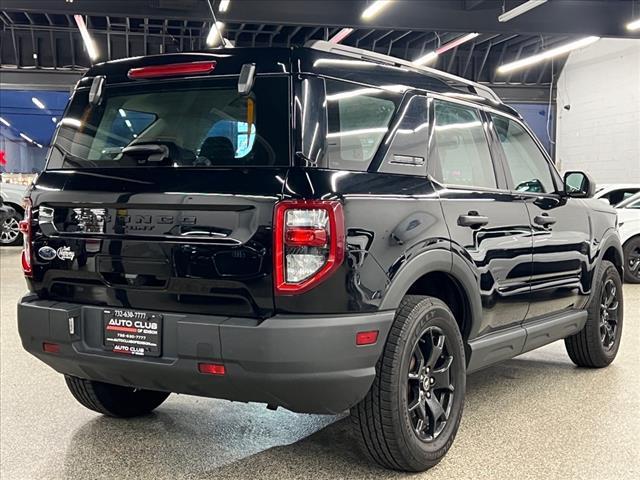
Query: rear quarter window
point(358, 119)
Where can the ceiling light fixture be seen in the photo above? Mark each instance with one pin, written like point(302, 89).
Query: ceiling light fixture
point(426, 59)
point(341, 35)
point(520, 9)
point(215, 34)
point(88, 41)
point(554, 52)
point(375, 8)
point(38, 103)
point(431, 56)
point(224, 5)
point(635, 25)
point(28, 139)
point(5, 122)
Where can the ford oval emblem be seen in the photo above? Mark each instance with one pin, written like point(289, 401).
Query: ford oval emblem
point(47, 253)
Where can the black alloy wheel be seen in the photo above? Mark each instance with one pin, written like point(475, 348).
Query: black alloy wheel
point(632, 260)
point(609, 306)
point(430, 388)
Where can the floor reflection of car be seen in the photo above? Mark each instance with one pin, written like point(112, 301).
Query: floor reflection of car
point(629, 226)
point(11, 196)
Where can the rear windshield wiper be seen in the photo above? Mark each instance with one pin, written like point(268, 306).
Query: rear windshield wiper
point(147, 152)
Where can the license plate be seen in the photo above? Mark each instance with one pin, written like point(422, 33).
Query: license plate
point(132, 332)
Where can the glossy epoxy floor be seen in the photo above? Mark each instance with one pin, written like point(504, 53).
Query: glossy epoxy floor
point(536, 416)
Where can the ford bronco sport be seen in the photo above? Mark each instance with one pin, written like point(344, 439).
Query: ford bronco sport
point(320, 229)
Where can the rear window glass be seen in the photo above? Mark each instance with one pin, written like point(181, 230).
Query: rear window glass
point(185, 123)
point(358, 118)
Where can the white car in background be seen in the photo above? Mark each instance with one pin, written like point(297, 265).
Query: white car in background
point(616, 192)
point(11, 195)
point(629, 227)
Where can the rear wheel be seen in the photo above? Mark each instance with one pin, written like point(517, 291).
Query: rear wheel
point(114, 400)
point(596, 345)
point(632, 260)
point(410, 417)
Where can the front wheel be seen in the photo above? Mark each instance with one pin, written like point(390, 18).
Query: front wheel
point(596, 345)
point(114, 400)
point(410, 417)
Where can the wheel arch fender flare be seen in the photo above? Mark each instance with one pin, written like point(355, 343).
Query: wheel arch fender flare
point(611, 240)
point(436, 260)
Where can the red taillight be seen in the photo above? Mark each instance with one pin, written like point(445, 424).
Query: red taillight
point(306, 237)
point(25, 229)
point(50, 347)
point(211, 368)
point(172, 70)
point(367, 338)
point(309, 243)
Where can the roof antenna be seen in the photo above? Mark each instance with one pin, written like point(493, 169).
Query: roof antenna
point(215, 23)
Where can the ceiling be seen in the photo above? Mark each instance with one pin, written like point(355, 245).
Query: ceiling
point(41, 34)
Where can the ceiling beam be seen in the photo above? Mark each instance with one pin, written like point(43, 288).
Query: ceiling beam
point(605, 18)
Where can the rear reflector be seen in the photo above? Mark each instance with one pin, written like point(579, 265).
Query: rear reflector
point(25, 228)
point(172, 70)
point(50, 347)
point(211, 368)
point(367, 338)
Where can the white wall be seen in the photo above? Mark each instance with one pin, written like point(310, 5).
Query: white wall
point(601, 131)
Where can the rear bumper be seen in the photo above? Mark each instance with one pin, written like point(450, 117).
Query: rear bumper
point(305, 364)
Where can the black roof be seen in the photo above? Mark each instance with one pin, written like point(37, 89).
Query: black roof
point(229, 61)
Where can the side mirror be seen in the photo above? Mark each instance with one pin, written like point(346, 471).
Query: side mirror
point(579, 185)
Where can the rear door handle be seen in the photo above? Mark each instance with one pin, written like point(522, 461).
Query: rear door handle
point(544, 220)
point(472, 219)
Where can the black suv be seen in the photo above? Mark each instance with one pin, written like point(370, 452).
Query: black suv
point(319, 229)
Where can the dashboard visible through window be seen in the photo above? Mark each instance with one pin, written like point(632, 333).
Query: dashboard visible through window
point(530, 171)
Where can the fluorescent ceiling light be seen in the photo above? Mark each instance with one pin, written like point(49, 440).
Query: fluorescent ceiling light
point(375, 8)
point(122, 113)
point(554, 52)
point(38, 103)
point(215, 34)
point(224, 5)
point(426, 59)
point(72, 122)
point(635, 25)
point(341, 35)
point(128, 122)
point(457, 42)
point(520, 9)
point(88, 41)
point(26, 138)
point(3, 121)
point(431, 56)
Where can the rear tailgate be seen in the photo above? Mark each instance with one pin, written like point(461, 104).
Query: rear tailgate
point(184, 240)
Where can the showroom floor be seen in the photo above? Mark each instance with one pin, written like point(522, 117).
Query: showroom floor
point(533, 417)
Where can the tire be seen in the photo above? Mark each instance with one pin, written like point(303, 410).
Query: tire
point(595, 346)
point(9, 234)
point(114, 400)
point(632, 260)
point(384, 426)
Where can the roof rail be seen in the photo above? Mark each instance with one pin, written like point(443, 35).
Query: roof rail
point(360, 53)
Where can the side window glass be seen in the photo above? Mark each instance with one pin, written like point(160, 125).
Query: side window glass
point(462, 155)
point(357, 119)
point(529, 169)
point(410, 137)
